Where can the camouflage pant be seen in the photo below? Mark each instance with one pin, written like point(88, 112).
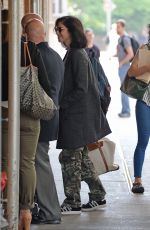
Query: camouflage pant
point(76, 167)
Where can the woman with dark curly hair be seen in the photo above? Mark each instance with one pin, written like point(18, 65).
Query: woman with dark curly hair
point(81, 120)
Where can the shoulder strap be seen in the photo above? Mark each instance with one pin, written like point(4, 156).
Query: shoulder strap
point(27, 52)
point(122, 43)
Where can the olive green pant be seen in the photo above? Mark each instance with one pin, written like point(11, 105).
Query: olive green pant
point(29, 134)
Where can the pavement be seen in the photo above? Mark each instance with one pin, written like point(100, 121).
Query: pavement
point(124, 210)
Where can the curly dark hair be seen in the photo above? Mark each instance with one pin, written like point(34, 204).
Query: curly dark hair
point(76, 30)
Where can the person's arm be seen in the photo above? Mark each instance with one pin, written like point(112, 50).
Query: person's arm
point(135, 70)
point(116, 52)
point(80, 75)
point(55, 70)
point(115, 55)
point(128, 57)
point(42, 73)
point(129, 51)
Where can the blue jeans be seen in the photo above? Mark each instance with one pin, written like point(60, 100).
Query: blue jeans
point(124, 98)
point(143, 128)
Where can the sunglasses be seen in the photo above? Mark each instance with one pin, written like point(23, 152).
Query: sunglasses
point(58, 29)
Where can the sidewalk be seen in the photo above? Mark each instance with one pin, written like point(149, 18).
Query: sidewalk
point(124, 211)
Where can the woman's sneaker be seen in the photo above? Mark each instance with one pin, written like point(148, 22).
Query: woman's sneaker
point(93, 205)
point(137, 188)
point(66, 209)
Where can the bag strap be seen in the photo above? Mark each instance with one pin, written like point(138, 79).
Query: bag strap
point(99, 145)
point(27, 52)
point(122, 43)
point(95, 145)
point(104, 160)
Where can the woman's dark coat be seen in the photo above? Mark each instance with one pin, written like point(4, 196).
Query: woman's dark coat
point(81, 118)
point(55, 71)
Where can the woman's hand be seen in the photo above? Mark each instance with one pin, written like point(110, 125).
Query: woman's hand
point(147, 68)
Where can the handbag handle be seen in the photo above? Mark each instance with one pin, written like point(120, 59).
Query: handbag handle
point(99, 145)
point(26, 51)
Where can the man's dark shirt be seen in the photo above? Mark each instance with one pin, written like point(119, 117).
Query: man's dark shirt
point(93, 51)
point(55, 72)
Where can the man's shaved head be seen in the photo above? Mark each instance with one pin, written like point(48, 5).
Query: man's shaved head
point(35, 30)
point(27, 18)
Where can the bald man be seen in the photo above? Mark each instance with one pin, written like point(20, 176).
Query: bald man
point(46, 193)
point(27, 18)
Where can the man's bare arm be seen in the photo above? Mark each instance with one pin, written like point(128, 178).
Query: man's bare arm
point(127, 58)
